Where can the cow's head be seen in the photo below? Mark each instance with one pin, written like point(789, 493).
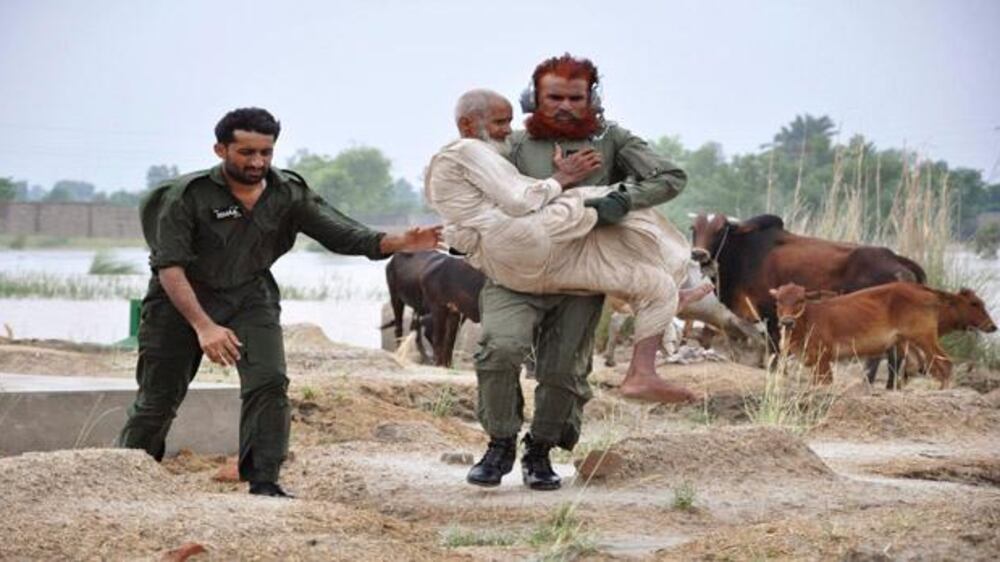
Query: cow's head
point(789, 302)
point(706, 233)
point(972, 311)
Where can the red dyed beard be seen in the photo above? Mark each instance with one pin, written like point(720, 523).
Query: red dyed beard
point(542, 126)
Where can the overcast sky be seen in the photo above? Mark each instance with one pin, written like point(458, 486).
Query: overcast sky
point(100, 90)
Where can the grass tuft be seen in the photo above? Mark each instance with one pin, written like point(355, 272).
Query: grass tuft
point(308, 393)
point(790, 400)
point(454, 537)
point(105, 263)
point(444, 404)
point(684, 497)
point(562, 535)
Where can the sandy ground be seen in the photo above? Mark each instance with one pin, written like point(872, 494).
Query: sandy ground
point(379, 457)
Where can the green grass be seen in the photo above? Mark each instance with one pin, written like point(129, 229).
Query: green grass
point(105, 263)
point(684, 497)
point(562, 536)
point(133, 286)
point(75, 287)
point(332, 289)
point(455, 537)
point(444, 404)
point(790, 400)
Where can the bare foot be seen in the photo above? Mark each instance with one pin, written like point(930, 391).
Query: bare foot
point(655, 389)
point(688, 296)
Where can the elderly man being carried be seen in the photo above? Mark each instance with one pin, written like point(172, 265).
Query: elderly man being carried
point(546, 236)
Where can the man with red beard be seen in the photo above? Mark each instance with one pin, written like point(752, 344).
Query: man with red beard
point(565, 112)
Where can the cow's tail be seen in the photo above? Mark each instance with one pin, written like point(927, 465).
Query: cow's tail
point(918, 272)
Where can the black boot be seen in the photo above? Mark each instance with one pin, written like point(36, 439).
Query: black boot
point(498, 460)
point(270, 489)
point(536, 467)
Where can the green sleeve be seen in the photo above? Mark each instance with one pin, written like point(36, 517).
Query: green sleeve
point(169, 224)
point(652, 178)
point(336, 231)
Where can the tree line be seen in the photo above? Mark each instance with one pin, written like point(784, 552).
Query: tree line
point(800, 167)
point(797, 169)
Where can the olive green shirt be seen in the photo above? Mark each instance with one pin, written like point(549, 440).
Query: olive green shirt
point(648, 178)
point(194, 221)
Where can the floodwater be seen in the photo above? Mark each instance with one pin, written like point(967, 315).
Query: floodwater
point(350, 313)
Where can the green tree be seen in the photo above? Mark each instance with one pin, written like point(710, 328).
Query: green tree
point(8, 189)
point(809, 136)
point(356, 181)
point(71, 190)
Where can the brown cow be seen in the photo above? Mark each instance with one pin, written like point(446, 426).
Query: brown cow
point(402, 276)
point(450, 290)
point(869, 322)
point(752, 256)
point(442, 290)
point(961, 311)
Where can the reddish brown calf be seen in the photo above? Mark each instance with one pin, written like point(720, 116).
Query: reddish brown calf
point(869, 322)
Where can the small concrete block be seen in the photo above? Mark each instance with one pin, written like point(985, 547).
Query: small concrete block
point(47, 413)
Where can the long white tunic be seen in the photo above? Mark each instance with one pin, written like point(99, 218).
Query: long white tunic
point(530, 236)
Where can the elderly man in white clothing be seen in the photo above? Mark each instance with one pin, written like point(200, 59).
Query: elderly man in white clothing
point(539, 236)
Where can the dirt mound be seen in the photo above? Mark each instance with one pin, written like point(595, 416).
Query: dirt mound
point(308, 337)
point(122, 473)
point(916, 414)
point(119, 504)
point(737, 454)
point(343, 411)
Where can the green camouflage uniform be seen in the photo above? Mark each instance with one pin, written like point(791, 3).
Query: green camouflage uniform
point(194, 221)
point(561, 327)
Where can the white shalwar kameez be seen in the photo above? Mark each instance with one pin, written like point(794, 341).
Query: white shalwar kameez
point(529, 235)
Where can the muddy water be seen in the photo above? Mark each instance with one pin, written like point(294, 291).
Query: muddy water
point(351, 314)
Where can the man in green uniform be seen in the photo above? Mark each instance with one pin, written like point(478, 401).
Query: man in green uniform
point(566, 111)
point(213, 236)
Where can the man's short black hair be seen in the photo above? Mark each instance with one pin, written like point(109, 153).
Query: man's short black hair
point(252, 119)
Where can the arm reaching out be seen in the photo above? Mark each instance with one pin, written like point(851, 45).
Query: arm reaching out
point(415, 239)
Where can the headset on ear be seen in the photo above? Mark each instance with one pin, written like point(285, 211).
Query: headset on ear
point(529, 100)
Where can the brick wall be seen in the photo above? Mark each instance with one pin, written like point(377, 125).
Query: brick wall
point(70, 220)
point(91, 220)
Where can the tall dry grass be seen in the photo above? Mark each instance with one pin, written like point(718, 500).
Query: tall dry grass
point(920, 225)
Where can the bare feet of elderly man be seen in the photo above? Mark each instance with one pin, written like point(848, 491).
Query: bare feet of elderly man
point(655, 389)
point(641, 381)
